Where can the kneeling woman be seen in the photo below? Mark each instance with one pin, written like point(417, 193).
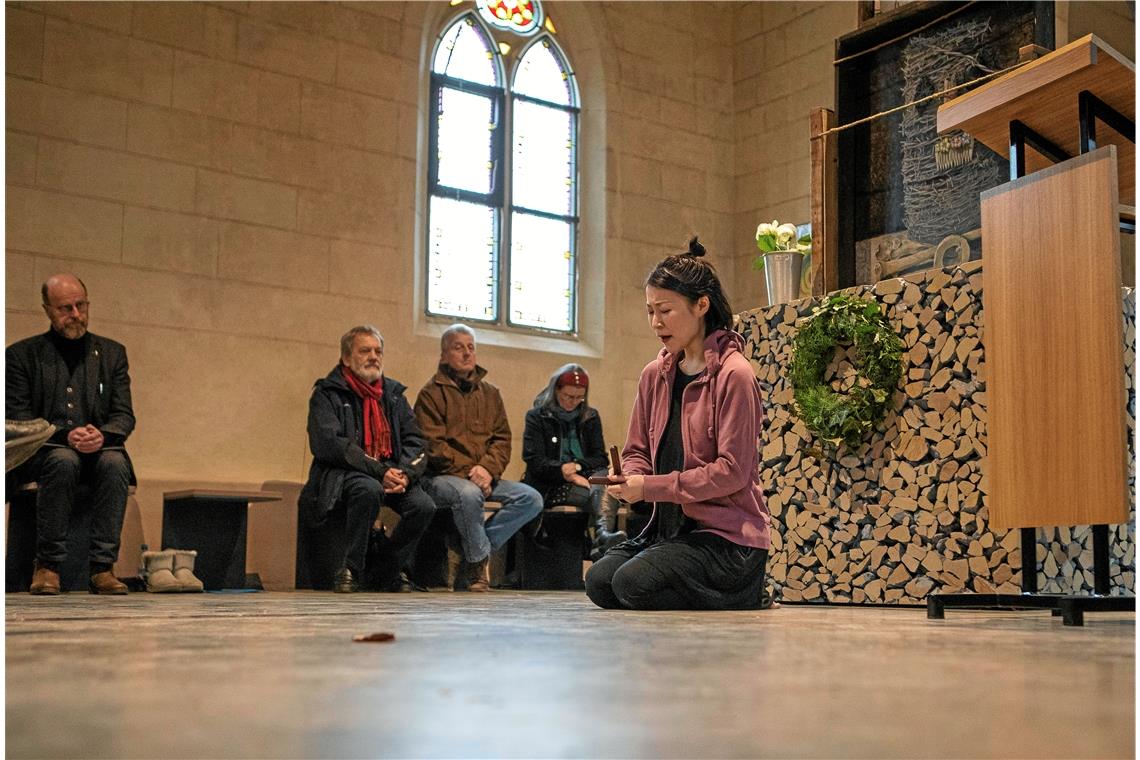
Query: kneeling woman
point(691, 449)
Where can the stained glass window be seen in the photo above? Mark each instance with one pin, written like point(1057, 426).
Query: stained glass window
point(542, 272)
point(465, 52)
point(543, 75)
point(518, 16)
point(543, 158)
point(462, 271)
point(463, 149)
point(502, 213)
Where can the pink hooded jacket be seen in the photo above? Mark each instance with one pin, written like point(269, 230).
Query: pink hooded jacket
point(721, 419)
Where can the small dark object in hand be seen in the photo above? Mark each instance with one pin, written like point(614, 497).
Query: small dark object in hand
point(615, 460)
point(374, 637)
point(610, 480)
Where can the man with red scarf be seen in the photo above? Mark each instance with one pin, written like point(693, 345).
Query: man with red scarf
point(367, 451)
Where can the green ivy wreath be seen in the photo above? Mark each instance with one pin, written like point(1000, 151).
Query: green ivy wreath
point(842, 320)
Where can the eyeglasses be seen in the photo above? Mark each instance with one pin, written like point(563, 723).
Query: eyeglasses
point(79, 307)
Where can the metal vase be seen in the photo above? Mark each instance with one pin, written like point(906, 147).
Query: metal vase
point(782, 270)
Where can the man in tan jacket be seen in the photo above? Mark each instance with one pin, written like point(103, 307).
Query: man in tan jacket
point(469, 445)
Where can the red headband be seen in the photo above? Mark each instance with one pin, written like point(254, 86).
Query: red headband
point(574, 377)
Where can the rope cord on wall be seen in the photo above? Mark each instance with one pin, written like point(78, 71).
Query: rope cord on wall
point(921, 100)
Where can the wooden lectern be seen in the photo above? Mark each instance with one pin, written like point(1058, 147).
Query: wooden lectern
point(1054, 345)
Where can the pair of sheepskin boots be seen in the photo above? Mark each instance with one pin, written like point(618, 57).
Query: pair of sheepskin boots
point(171, 570)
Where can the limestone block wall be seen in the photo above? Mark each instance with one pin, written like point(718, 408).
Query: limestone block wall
point(907, 514)
point(783, 69)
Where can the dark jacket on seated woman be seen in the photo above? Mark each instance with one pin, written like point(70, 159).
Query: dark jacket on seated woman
point(563, 429)
point(546, 429)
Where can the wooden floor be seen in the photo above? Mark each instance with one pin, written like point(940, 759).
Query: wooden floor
point(516, 674)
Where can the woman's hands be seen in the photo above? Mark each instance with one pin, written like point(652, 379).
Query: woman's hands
point(571, 474)
point(631, 489)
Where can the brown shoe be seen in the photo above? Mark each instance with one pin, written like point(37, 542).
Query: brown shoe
point(44, 581)
point(106, 583)
point(479, 575)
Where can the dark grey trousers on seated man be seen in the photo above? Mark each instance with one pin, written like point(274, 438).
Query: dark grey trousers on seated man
point(59, 472)
point(362, 496)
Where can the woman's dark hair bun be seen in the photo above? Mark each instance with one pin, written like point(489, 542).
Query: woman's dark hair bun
point(695, 248)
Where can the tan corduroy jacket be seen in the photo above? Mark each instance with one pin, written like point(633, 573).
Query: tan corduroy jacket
point(464, 429)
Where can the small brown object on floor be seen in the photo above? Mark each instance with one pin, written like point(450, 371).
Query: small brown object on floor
point(374, 637)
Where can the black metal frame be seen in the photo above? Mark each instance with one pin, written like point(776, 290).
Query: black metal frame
point(493, 199)
point(1071, 607)
point(1092, 108)
point(1021, 136)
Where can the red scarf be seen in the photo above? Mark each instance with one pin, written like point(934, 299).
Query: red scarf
point(377, 432)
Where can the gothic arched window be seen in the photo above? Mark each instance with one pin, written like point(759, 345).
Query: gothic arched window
point(502, 172)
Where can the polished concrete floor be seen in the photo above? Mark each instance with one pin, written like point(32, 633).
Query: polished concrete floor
point(516, 674)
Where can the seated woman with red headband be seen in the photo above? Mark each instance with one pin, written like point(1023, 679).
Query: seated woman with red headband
point(563, 446)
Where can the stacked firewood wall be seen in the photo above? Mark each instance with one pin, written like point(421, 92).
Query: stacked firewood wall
point(907, 513)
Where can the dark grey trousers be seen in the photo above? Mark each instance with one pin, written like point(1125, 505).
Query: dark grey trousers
point(693, 571)
point(362, 496)
point(59, 471)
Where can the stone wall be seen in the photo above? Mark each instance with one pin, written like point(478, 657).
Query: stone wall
point(782, 69)
point(907, 514)
point(238, 183)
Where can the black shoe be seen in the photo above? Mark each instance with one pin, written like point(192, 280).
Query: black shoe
point(344, 582)
point(402, 584)
point(605, 541)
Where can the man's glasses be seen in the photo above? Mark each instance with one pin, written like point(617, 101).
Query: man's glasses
point(79, 307)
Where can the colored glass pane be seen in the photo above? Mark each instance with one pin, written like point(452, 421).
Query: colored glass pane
point(542, 272)
point(464, 140)
point(542, 74)
point(461, 274)
point(464, 52)
point(543, 158)
point(518, 16)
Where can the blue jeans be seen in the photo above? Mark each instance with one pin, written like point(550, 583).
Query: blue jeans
point(520, 505)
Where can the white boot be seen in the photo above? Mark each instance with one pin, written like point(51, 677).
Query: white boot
point(160, 572)
point(184, 570)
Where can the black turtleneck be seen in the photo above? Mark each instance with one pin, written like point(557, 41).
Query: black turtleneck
point(72, 351)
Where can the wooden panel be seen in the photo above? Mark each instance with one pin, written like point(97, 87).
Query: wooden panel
point(824, 203)
point(1053, 343)
point(1043, 95)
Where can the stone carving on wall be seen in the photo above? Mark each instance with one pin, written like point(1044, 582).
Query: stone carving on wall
point(887, 256)
point(897, 175)
point(908, 514)
point(943, 175)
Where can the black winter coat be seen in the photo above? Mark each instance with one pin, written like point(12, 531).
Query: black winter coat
point(542, 447)
point(336, 438)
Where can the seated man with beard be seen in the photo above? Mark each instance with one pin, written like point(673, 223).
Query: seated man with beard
point(368, 451)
